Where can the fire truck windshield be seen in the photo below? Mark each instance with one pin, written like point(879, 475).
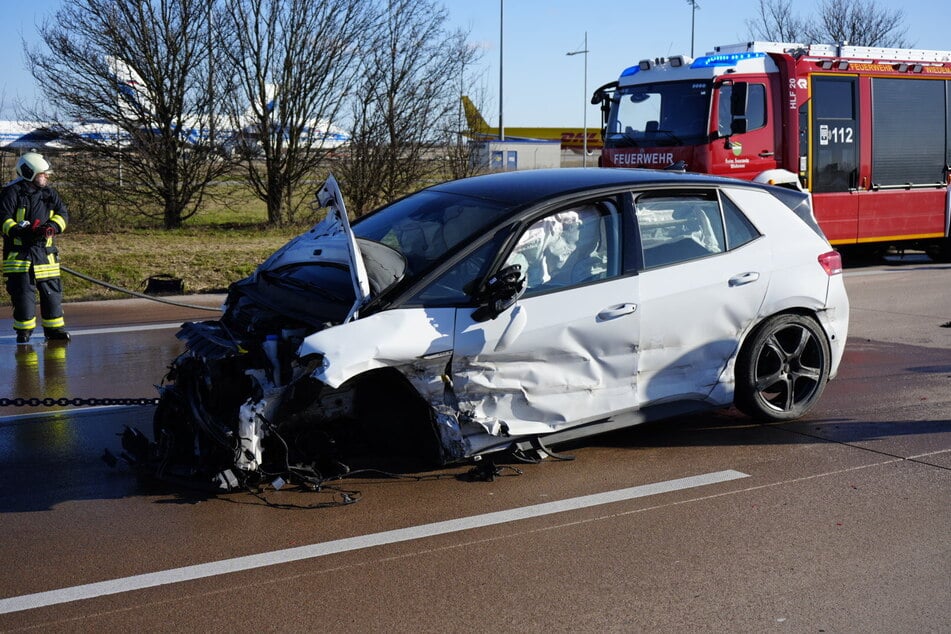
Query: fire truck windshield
point(661, 114)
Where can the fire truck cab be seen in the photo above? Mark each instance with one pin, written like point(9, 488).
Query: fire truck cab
point(866, 130)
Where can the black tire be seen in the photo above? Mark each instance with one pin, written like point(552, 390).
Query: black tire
point(940, 251)
point(862, 255)
point(782, 369)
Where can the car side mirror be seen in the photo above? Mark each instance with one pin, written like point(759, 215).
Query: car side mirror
point(739, 98)
point(501, 292)
point(739, 102)
point(736, 95)
point(604, 94)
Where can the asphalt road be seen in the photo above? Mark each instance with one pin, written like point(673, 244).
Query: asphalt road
point(836, 523)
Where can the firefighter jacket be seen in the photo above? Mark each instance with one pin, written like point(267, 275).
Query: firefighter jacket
point(22, 201)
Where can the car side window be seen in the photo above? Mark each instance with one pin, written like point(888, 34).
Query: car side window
point(570, 247)
point(739, 230)
point(453, 288)
point(755, 109)
point(677, 228)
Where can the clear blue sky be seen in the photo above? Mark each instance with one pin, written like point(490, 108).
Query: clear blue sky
point(542, 85)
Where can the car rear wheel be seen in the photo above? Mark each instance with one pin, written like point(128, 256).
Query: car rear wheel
point(782, 369)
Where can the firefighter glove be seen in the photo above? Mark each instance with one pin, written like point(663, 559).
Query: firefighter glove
point(21, 230)
point(44, 231)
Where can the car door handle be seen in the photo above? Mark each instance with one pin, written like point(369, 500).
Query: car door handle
point(765, 154)
point(744, 278)
point(618, 310)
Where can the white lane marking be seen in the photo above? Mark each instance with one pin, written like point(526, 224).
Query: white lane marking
point(103, 331)
point(14, 419)
point(131, 328)
point(199, 571)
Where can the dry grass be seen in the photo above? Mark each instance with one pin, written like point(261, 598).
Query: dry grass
point(207, 261)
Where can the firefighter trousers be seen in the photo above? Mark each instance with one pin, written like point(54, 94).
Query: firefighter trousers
point(22, 288)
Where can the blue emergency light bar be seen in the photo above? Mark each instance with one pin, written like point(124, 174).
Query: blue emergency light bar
point(630, 71)
point(729, 59)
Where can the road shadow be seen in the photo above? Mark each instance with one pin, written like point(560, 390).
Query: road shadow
point(912, 260)
point(730, 428)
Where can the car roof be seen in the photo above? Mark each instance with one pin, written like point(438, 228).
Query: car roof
point(526, 186)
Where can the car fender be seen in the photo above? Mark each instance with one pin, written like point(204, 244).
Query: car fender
point(421, 339)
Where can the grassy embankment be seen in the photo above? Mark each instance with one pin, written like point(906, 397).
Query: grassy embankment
point(215, 248)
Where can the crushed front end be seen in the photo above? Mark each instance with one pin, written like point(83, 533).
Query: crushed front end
point(239, 407)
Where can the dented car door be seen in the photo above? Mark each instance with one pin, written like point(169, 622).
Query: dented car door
point(566, 352)
point(549, 361)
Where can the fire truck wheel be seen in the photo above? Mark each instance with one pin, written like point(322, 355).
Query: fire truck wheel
point(941, 251)
point(782, 368)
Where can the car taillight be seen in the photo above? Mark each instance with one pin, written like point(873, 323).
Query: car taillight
point(831, 262)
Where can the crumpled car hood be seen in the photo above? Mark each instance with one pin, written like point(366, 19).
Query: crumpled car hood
point(310, 247)
point(329, 241)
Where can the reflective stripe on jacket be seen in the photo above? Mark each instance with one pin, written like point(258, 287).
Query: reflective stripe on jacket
point(22, 202)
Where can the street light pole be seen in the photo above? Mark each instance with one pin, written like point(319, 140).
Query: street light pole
point(501, 36)
point(584, 101)
point(693, 20)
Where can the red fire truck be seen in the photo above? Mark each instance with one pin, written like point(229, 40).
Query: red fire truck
point(866, 130)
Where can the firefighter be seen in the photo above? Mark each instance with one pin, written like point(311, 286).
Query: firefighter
point(32, 213)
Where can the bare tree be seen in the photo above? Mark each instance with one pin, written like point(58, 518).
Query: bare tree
point(458, 147)
point(858, 22)
point(775, 22)
point(405, 92)
point(290, 61)
point(143, 67)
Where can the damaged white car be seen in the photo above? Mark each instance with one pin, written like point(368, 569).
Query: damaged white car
point(506, 312)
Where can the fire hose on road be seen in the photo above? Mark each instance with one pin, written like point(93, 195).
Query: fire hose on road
point(135, 293)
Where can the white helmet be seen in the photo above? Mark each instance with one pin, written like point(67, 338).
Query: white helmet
point(31, 164)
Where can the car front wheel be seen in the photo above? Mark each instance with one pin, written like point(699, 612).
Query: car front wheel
point(782, 369)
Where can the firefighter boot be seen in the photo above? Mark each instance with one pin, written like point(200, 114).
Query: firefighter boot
point(57, 334)
point(23, 336)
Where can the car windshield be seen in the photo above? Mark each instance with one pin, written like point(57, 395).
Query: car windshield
point(661, 114)
point(425, 227)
